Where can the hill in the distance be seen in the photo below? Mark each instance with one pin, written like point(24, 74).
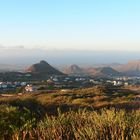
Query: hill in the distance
point(74, 70)
point(132, 68)
point(43, 68)
point(101, 71)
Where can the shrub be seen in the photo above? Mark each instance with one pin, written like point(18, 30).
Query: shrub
point(14, 122)
point(105, 125)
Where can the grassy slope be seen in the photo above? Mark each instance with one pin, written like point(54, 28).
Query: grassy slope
point(24, 117)
point(91, 98)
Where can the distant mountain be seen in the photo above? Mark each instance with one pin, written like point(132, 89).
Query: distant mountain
point(102, 71)
point(74, 70)
point(43, 68)
point(132, 68)
point(106, 65)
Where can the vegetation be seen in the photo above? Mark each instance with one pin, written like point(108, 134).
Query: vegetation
point(98, 113)
point(106, 124)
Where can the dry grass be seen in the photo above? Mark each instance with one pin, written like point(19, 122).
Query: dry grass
point(96, 97)
point(105, 124)
point(80, 115)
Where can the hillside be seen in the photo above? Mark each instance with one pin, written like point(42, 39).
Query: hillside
point(74, 69)
point(97, 97)
point(43, 68)
point(102, 71)
point(107, 71)
point(132, 68)
point(94, 113)
point(99, 71)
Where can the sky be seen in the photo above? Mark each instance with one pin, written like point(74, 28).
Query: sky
point(69, 31)
point(70, 24)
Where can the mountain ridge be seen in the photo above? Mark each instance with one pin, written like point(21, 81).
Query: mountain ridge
point(132, 68)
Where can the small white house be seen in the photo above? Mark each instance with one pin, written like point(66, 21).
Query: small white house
point(114, 83)
point(126, 83)
point(29, 88)
point(55, 79)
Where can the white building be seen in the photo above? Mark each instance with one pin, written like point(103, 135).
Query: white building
point(29, 88)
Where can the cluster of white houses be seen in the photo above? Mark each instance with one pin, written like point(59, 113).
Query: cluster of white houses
point(4, 85)
point(69, 82)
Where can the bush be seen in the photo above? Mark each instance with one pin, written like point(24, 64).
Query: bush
point(14, 122)
point(85, 125)
point(112, 124)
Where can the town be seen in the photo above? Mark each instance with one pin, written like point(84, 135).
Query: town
point(53, 83)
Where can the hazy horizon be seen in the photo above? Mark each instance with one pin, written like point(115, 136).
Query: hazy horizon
point(26, 56)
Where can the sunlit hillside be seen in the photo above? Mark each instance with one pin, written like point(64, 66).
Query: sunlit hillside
point(91, 113)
